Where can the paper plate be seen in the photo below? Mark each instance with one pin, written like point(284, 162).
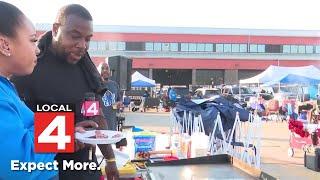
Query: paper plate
point(86, 137)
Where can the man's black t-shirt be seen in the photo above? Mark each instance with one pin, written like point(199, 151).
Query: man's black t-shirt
point(56, 81)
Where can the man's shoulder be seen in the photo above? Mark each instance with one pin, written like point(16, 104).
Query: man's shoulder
point(112, 83)
point(38, 72)
point(45, 58)
point(44, 64)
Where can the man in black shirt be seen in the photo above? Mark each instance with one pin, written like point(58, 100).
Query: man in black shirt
point(64, 74)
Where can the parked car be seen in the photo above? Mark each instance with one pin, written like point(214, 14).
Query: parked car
point(241, 93)
point(204, 93)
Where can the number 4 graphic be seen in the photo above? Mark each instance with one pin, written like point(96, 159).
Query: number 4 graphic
point(93, 109)
point(90, 108)
point(54, 132)
point(61, 138)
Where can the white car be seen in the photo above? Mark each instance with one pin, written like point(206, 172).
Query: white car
point(205, 93)
point(241, 93)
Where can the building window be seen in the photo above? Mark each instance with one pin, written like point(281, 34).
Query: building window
point(253, 48)
point(157, 46)
point(173, 46)
point(203, 47)
point(301, 49)
point(165, 46)
point(135, 46)
point(192, 47)
point(112, 46)
point(149, 46)
point(309, 49)
point(209, 47)
point(102, 45)
point(317, 49)
point(93, 45)
point(261, 48)
point(294, 49)
point(243, 48)
point(286, 49)
point(235, 48)
point(227, 48)
point(122, 46)
point(272, 48)
point(200, 47)
point(184, 47)
point(219, 47)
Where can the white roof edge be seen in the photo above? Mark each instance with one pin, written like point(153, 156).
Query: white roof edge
point(195, 30)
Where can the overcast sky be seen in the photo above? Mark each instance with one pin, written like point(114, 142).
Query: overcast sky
point(257, 14)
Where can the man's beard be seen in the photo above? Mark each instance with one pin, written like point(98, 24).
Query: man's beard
point(63, 54)
point(60, 52)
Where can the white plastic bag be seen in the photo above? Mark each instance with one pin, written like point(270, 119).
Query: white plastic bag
point(185, 138)
point(199, 140)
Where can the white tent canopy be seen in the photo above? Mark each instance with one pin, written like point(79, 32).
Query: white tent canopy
point(139, 80)
point(272, 73)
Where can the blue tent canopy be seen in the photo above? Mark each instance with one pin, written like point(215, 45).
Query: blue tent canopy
point(277, 73)
point(139, 80)
point(295, 79)
point(141, 83)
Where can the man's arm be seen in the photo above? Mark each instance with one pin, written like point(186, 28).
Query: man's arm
point(107, 151)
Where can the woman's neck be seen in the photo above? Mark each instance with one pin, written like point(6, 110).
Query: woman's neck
point(3, 73)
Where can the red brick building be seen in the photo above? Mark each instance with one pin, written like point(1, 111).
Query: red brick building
point(198, 56)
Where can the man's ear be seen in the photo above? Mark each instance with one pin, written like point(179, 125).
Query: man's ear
point(5, 46)
point(55, 29)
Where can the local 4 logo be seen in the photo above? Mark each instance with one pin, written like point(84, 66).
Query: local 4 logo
point(90, 108)
point(54, 128)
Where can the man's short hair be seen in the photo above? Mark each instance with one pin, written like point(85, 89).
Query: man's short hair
point(72, 9)
point(99, 67)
